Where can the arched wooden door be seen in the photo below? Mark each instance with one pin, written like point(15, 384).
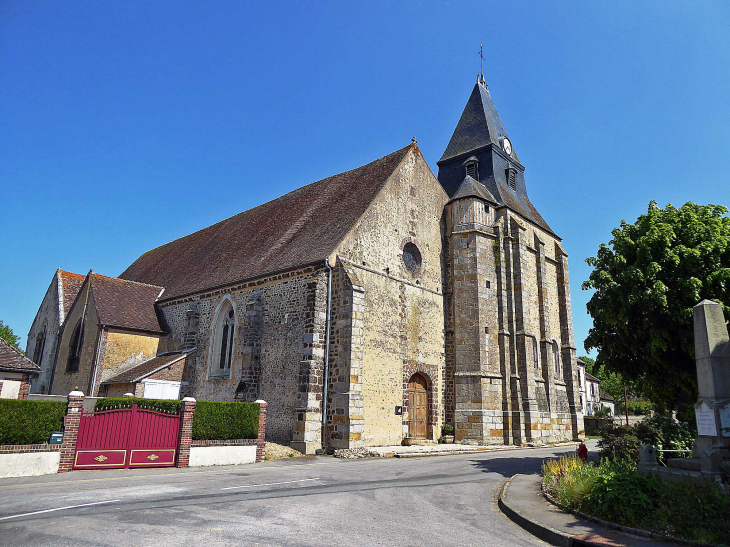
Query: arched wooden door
point(418, 406)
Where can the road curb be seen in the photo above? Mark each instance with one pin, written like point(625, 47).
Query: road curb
point(537, 529)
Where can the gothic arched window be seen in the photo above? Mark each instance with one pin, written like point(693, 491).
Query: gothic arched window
point(556, 357)
point(224, 331)
point(74, 348)
point(40, 344)
point(535, 354)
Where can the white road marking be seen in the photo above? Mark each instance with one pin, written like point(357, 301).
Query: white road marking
point(58, 509)
point(268, 484)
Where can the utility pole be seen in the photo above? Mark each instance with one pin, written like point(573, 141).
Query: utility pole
point(626, 405)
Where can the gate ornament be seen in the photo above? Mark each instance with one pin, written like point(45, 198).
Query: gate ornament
point(152, 457)
point(101, 458)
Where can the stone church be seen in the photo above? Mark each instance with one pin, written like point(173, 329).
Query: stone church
point(371, 305)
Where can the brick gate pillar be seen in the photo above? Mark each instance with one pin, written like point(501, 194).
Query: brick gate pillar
point(24, 387)
point(71, 431)
point(185, 438)
point(261, 441)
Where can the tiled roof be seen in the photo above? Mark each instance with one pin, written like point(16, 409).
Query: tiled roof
point(299, 228)
point(592, 378)
point(12, 360)
point(123, 303)
point(141, 371)
point(70, 285)
point(604, 396)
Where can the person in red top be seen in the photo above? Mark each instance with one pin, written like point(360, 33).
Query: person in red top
point(582, 452)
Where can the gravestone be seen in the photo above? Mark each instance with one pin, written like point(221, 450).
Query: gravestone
point(712, 410)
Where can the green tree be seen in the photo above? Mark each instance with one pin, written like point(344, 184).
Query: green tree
point(6, 333)
point(611, 382)
point(646, 282)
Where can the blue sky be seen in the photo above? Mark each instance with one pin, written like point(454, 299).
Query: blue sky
point(128, 124)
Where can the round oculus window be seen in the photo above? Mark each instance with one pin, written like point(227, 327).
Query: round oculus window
point(412, 258)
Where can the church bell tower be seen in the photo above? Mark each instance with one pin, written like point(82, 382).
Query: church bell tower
point(511, 366)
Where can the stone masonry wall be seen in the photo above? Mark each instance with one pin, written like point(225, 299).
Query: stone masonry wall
point(122, 350)
point(63, 381)
point(273, 317)
point(396, 315)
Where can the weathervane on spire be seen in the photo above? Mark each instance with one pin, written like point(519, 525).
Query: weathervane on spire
point(481, 79)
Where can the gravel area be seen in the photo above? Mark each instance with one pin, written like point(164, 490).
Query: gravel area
point(280, 452)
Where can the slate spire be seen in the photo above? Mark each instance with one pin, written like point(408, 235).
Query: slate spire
point(480, 135)
point(479, 125)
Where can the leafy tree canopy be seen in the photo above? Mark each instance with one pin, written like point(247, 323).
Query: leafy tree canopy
point(6, 333)
point(646, 282)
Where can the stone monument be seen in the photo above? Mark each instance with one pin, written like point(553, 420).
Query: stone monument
point(712, 410)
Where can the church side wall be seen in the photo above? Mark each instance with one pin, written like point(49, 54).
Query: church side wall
point(63, 381)
point(402, 321)
point(277, 336)
point(45, 320)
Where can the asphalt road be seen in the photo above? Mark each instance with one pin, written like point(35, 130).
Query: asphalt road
point(447, 500)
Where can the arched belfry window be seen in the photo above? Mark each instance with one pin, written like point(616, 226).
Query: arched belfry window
point(74, 347)
point(224, 335)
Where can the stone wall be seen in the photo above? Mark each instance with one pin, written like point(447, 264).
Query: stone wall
point(278, 339)
point(513, 355)
point(121, 350)
point(65, 381)
point(390, 321)
point(46, 320)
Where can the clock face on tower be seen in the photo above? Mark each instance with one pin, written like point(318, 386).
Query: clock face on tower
point(507, 146)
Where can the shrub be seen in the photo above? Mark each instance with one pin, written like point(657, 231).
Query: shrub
point(636, 408)
point(30, 422)
point(216, 420)
point(159, 405)
point(614, 491)
point(665, 434)
point(447, 429)
point(619, 443)
point(602, 412)
point(622, 495)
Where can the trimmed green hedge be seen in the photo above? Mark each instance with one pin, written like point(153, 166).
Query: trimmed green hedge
point(160, 405)
point(30, 422)
point(217, 420)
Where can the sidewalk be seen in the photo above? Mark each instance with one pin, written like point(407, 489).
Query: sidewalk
point(424, 450)
point(523, 502)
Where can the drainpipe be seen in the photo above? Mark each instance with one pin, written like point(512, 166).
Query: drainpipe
point(327, 348)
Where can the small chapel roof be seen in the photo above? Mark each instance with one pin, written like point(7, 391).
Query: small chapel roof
point(13, 360)
point(147, 368)
point(300, 228)
point(122, 303)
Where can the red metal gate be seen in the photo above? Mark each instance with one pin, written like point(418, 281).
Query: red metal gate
point(128, 437)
